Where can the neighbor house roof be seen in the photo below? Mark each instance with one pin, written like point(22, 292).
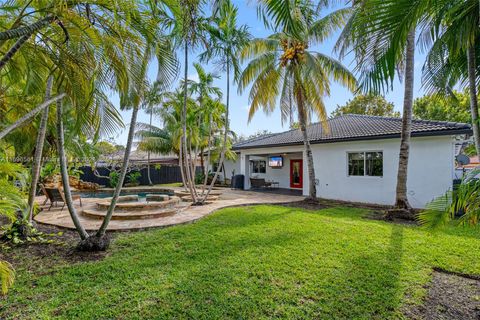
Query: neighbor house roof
point(351, 127)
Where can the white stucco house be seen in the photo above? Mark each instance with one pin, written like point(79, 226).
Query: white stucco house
point(356, 160)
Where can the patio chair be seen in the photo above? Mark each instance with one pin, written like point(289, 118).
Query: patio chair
point(56, 195)
point(42, 187)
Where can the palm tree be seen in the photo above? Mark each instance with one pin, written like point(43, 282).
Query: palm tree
point(453, 57)
point(7, 276)
point(227, 40)
point(283, 67)
point(139, 97)
point(37, 160)
point(189, 33)
point(64, 172)
point(205, 89)
point(382, 35)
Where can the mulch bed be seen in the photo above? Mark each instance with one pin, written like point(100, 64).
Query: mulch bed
point(48, 254)
point(450, 296)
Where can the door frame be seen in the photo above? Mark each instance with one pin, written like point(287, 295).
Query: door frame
point(292, 185)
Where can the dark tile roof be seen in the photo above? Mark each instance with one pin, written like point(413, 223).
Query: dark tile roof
point(355, 127)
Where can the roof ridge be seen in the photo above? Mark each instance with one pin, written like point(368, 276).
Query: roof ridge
point(399, 118)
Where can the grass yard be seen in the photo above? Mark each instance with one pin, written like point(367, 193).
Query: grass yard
point(251, 262)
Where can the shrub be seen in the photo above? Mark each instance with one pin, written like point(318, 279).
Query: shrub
point(114, 177)
point(134, 177)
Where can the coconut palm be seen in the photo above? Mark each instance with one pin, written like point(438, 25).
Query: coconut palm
point(227, 40)
point(382, 36)
point(284, 67)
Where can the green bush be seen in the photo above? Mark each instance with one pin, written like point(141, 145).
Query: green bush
point(114, 177)
point(134, 177)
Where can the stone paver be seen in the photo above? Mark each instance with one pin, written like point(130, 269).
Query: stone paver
point(228, 198)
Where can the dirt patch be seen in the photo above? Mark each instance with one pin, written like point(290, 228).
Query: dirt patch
point(380, 216)
point(326, 203)
point(450, 296)
point(62, 251)
point(305, 204)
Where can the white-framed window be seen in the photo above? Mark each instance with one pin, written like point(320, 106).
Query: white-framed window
point(259, 166)
point(365, 163)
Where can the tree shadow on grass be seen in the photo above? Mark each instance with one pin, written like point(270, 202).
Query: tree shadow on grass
point(369, 286)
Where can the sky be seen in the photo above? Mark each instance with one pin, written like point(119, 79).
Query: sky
point(239, 103)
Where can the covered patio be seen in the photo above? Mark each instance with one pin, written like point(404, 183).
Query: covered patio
point(281, 170)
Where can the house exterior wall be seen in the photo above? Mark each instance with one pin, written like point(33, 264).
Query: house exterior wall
point(430, 171)
point(229, 167)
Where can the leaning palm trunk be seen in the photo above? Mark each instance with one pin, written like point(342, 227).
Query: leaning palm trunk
point(37, 160)
point(11, 52)
point(473, 96)
point(22, 31)
point(123, 173)
point(30, 115)
point(225, 136)
point(401, 201)
point(64, 172)
point(302, 118)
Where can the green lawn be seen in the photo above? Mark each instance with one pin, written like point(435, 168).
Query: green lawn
point(252, 262)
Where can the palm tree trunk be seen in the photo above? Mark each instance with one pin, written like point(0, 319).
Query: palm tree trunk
point(183, 146)
point(123, 173)
point(302, 119)
point(64, 172)
point(202, 161)
point(148, 154)
point(473, 96)
point(10, 53)
point(30, 114)
point(37, 160)
point(401, 201)
point(208, 153)
point(225, 136)
point(22, 31)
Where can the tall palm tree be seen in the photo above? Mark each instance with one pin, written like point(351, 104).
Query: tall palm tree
point(282, 66)
point(227, 40)
point(205, 89)
point(382, 35)
point(187, 32)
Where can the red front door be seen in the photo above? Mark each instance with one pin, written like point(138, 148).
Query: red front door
point(296, 174)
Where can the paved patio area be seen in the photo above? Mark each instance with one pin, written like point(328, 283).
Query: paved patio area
point(228, 198)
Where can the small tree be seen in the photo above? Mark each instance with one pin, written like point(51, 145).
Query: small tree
point(367, 104)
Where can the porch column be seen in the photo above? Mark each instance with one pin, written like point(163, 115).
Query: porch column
point(245, 169)
point(306, 181)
